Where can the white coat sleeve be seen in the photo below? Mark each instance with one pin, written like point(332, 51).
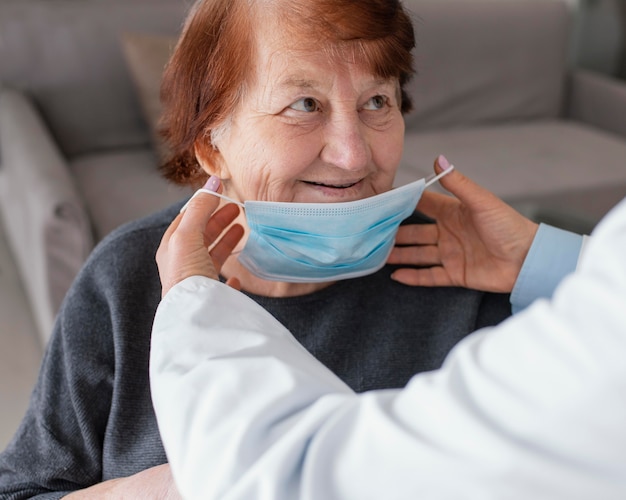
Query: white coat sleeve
point(534, 408)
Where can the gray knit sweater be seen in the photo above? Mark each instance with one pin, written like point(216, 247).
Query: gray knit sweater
point(91, 418)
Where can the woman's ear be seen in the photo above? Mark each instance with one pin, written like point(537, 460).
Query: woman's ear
point(210, 159)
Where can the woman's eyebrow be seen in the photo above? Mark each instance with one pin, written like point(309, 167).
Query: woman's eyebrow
point(300, 83)
point(305, 83)
point(291, 82)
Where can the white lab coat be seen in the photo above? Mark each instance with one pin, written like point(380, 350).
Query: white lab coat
point(532, 409)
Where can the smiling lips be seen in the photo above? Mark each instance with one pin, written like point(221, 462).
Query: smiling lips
point(334, 186)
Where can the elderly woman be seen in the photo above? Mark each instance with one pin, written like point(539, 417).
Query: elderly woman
point(285, 101)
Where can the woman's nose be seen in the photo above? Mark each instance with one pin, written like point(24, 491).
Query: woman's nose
point(345, 144)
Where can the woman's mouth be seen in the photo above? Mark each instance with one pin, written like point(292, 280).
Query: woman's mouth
point(345, 185)
point(334, 191)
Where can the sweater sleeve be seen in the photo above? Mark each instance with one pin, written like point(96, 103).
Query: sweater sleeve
point(58, 445)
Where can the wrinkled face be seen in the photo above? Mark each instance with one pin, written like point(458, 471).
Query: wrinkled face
point(311, 129)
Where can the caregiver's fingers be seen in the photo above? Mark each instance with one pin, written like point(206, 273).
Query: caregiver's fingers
point(171, 229)
point(197, 212)
point(183, 251)
point(164, 245)
point(437, 205)
point(226, 244)
point(417, 234)
point(219, 222)
point(470, 193)
point(234, 283)
point(427, 276)
point(426, 255)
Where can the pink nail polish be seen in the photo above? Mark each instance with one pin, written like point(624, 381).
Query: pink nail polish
point(213, 184)
point(443, 162)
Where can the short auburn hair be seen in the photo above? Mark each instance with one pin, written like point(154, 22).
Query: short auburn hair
point(211, 64)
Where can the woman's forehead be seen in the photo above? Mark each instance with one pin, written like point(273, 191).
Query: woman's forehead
point(283, 52)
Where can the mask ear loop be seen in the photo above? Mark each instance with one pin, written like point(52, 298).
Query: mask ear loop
point(431, 179)
point(202, 190)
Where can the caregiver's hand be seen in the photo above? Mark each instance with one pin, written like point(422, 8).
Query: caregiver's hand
point(478, 241)
point(194, 245)
point(155, 482)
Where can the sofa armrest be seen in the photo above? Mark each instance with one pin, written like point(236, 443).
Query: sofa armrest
point(44, 218)
point(598, 100)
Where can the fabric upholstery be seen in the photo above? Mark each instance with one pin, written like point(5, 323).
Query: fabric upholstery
point(68, 56)
point(520, 161)
point(122, 186)
point(598, 101)
point(43, 213)
point(487, 61)
point(146, 57)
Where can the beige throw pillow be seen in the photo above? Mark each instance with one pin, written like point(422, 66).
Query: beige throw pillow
point(146, 57)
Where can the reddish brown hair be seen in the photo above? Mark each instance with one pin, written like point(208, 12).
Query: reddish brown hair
point(214, 56)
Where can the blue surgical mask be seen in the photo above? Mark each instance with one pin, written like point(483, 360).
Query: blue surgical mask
point(318, 242)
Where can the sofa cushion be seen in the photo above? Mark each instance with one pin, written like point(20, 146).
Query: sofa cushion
point(146, 57)
point(67, 55)
point(44, 215)
point(464, 77)
point(122, 186)
point(534, 161)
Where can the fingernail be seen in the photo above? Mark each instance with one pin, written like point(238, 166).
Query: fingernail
point(213, 184)
point(443, 162)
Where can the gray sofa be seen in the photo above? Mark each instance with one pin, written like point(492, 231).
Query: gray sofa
point(78, 155)
point(497, 94)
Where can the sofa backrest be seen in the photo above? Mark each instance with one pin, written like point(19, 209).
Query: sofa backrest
point(481, 61)
point(477, 60)
point(67, 55)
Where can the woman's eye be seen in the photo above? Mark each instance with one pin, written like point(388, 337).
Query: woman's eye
point(376, 102)
point(306, 104)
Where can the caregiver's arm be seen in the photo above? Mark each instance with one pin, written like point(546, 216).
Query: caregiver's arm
point(480, 242)
point(237, 398)
point(532, 409)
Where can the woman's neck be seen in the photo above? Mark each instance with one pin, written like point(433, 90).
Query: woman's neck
point(257, 286)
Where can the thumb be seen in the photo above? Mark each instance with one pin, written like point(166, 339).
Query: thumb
point(199, 209)
point(463, 188)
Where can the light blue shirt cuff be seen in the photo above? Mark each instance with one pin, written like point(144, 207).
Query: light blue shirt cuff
point(552, 256)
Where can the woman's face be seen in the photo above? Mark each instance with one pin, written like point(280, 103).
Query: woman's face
point(311, 129)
